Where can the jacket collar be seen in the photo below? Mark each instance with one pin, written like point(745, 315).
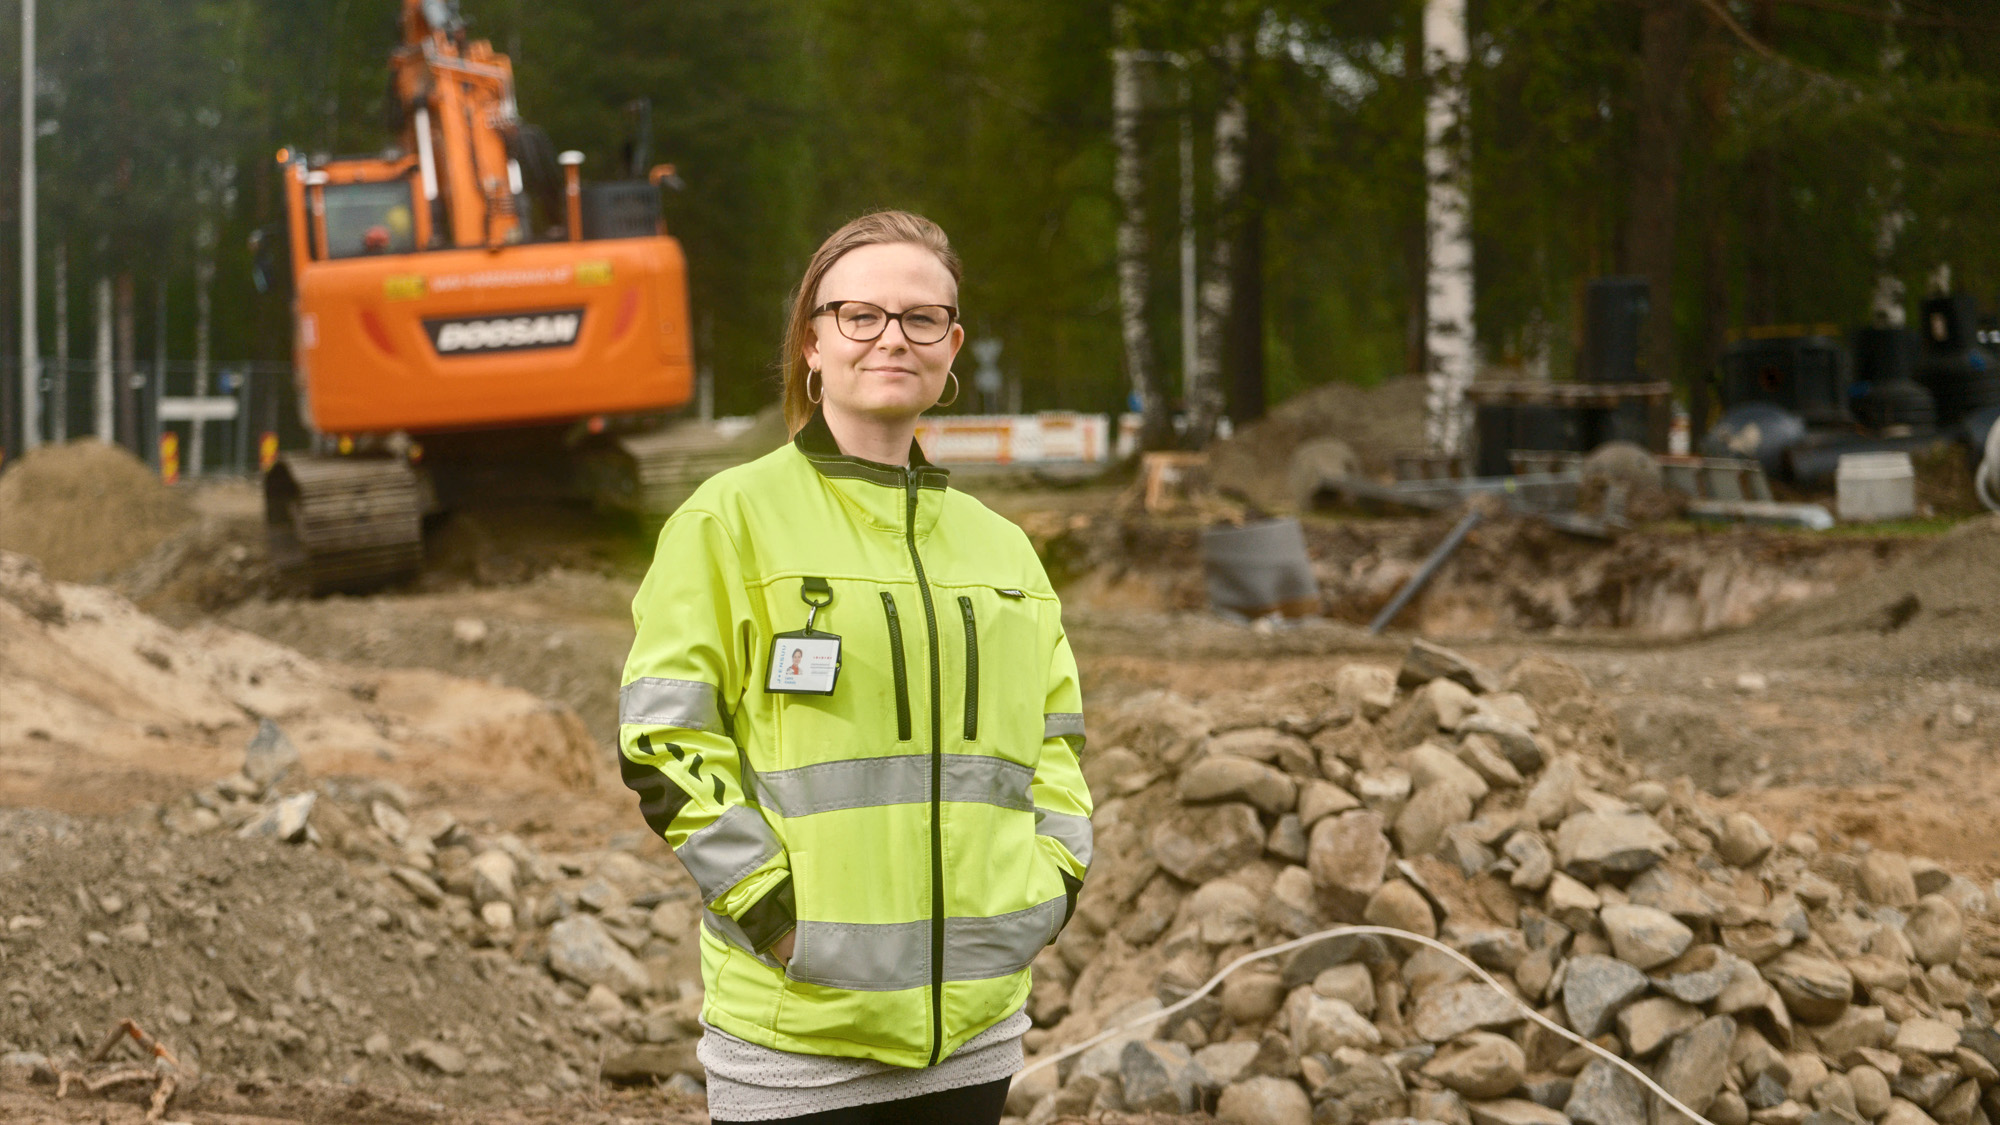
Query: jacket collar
point(877, 492)
point(816, 442)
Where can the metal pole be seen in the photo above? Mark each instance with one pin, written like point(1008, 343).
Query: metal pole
point(1424, 573)
point(31, 359)
point(59, 384)
point(1190, 337)
point(104, 409)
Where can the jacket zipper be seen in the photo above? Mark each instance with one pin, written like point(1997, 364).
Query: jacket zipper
point(937, 776)
point(971, 669)
point(896, 663)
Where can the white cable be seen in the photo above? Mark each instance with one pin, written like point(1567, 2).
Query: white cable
point(1383, 931)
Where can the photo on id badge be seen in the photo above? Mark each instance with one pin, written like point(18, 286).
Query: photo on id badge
point(806, 665)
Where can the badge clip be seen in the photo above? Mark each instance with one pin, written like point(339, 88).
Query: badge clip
point(806, 662)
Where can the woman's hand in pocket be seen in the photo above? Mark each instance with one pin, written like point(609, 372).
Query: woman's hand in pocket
point(783, 950)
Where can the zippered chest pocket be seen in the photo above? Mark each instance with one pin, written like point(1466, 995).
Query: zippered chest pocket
point(898, 665)
point(1000, 683)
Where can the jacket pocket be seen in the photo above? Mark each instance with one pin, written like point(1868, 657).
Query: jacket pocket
point(898, 666)
point(971, 668)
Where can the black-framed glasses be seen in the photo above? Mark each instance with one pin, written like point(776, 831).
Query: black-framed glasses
point(861, 322)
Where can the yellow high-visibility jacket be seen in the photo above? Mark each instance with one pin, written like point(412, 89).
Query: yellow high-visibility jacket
point(925, 828)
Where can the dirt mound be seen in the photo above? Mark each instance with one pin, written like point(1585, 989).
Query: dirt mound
point(86, 510)
point(1374, 422)
point(1935, 615)
point(101, 705)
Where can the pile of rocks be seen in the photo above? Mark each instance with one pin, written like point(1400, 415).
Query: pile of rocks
point(616, 933)
point(1756, 980)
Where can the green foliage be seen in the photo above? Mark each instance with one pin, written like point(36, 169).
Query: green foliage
point(786, 117)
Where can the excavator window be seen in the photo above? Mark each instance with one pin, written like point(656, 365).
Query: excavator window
point(365, 219)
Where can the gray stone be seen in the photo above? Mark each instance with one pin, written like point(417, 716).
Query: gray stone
point(1385, 791)
point(1288, 752)
point(436, 1057)
point(1695, 1067)
point(581, 950)
point(1400, 906)
point(1320, 799)
point(1596, 846)
point(1207, 843)
point(1368, 1086)
point(1490, 947)
point(493, 872)
point(1871, 1091)
point(1514, 1111)
point(1901, 1112)
point(1291, 906)
point(1595, 989)
point(1447, 1011)
point(1661, 889)
point(1553, 795)
point(1606, 1095)
point(1322, 1024)
point(1420, 826)
point(1744, 841)
point(1764, 1093)
point(1159, 1076)
point(1369, 689)
point(1461, 847)
point(1225, 777)
point(269, 756)
point(1515, 741)
point(285, 820)
point(1936, 930)
point(419, 884)
point(1886, 880)
point(1923, 1082)
point(1226, 911)
point(1264, 1101)
point(1426, 662)
point(1480, 1065)
point(1348, 858)
point(1814, 989)
point(1859, 1026)
point(1646, 1025)
point(1287, 840)
point(1649, 795)
point(1534, 863)
point(1250, 998)
point(1351, 982)
point(1104, 1058)
point(1644, 936)
point(1482, 753)
point(1223, 1064)
point(1925, 1037)
point(1699, 975)
point(1550, 1090)
point(1431, 764)
point(1571, 903)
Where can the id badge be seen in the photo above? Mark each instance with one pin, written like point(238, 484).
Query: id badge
point(806, 662)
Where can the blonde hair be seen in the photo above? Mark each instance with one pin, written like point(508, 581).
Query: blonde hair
point(868, 230)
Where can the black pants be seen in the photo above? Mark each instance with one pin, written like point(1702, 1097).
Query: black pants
point(967, 1105)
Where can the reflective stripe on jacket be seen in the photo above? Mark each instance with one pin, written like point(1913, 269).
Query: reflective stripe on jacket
point(926, 826)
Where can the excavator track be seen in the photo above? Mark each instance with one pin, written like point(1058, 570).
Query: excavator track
point(344, 523)
point(651, 474)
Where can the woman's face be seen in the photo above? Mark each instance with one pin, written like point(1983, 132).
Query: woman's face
point(887, 378)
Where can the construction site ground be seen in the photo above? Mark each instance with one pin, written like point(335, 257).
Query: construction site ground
point(1846, 683)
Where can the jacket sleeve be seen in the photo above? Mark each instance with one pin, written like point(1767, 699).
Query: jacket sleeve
point(1062, 800)
point(682, 683)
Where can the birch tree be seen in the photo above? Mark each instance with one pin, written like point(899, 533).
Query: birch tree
point(1205, 390)
point(1450, 344)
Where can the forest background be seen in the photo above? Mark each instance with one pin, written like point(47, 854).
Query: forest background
point(1749, 156)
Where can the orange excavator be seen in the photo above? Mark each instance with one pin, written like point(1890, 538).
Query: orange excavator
point(472, 319)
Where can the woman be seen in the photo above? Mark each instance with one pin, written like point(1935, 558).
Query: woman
point(884, 840)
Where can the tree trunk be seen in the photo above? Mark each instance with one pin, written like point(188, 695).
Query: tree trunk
point(204, 283)
point(126, 362)
point(1206, 399)
point(1127, 103)
point(105, 410)
point(1416, 234)
point(1449, 338)
point(1666, 40)
point(1245, 330)
point(59, 379)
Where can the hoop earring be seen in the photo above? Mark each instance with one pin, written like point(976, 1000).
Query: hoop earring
point(810, 396)
point(954, 391)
